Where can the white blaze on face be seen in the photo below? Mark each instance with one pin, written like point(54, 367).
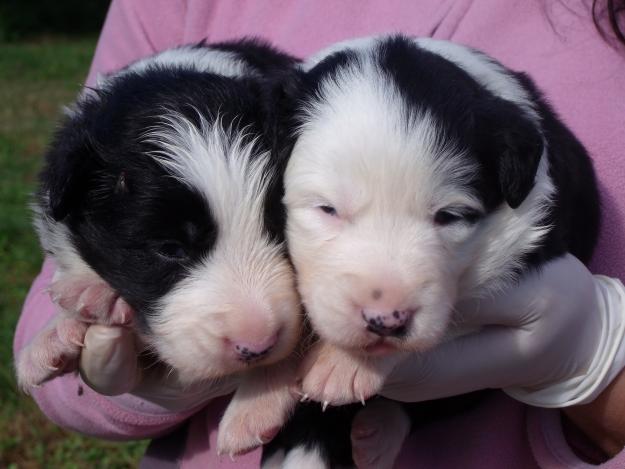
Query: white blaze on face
point(381, 252)
point(243, 292)
point(363, 184)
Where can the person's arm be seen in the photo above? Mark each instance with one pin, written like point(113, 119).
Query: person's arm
point(133, 29)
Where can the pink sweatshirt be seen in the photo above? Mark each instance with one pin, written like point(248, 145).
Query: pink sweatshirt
point(555, 42)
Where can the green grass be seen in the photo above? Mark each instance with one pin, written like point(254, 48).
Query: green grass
point(36, 79)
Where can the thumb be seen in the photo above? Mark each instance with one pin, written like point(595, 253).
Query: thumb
point(108, 362)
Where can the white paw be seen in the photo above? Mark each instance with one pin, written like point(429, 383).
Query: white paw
point(52, 352)
point(335, 377)
point(373, 445)
point(252, 420)
point(90, 299)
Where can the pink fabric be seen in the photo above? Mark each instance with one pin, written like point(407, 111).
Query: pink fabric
point(555, 42)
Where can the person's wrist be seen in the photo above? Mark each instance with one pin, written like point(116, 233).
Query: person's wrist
point(603, 419)
point(598, 324)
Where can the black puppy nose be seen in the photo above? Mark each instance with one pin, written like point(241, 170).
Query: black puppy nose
point(249, 355)
point(393, 323)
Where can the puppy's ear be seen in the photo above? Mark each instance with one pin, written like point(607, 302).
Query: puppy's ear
point(280, 98)
point(516, 146)
point(66, 171)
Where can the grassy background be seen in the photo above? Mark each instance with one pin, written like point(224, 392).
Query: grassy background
point(36, 79)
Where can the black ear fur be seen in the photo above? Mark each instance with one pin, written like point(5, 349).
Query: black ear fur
point(281, 92)
point(67, 166)
point(280, 95)
point(516, 146)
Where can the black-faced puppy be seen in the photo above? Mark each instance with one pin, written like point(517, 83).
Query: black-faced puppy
point(161, 199)
point(424, 173)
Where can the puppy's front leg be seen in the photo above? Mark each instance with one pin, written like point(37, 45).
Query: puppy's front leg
point(83, 298)
point(261, 405)
point(334, 376)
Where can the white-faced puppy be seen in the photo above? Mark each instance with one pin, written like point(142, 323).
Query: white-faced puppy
point(161, 198)
point(423, 173)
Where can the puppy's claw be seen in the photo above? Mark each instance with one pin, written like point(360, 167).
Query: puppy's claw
point(77, 343)
point(362, 400)
point(52, 368)
point(304, 398)
point(324, 406)
point(231, 457)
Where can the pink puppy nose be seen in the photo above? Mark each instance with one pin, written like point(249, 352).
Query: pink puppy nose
point(253, 351)
point(387, 323)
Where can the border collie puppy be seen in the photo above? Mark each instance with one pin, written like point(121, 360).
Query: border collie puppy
point(423, 173)
point(160, 202)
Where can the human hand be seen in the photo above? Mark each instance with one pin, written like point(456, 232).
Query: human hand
point(110, 364)
point(553, 340)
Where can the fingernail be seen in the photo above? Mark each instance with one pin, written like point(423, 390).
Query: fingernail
point(77, 343)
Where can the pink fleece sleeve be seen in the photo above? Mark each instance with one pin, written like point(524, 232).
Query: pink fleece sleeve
point(136, 29)
point(67, 401)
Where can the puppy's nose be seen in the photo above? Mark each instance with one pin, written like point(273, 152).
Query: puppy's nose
point(253, 351)
point(387, 323)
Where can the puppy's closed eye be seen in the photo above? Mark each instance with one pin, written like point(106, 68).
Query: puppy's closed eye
point(452, 215)
point(172, 251)
point(328, 210)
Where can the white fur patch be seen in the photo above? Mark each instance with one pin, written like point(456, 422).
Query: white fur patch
point(304, 458)
point(55, 239)
point(244, 290)
point(201, 59)
point(275, 461)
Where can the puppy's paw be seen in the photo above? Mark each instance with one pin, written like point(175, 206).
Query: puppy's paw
point(52, 352)
point(335, 377)
point(253, 420)
point(90, 299)
point(373, 446)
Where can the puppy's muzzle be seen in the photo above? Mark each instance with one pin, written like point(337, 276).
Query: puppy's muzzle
point(393, 323)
